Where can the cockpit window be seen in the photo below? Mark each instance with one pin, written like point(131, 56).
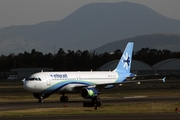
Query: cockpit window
point(33, 79)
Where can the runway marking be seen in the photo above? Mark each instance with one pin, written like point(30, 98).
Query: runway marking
point(136, 97)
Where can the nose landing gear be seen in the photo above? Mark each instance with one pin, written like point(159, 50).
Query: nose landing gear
point(41, 96)
point(40, 100)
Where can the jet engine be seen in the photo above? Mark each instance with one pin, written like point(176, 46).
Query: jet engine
point(88, 93)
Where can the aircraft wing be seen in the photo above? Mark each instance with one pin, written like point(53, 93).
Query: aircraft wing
point(108, 86)
point(143, 78)
point(101, 87)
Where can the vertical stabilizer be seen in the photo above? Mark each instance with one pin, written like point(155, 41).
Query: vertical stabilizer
point(126, 59)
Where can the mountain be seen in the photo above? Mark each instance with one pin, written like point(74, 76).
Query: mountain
point(154, 41)
point(88, 27)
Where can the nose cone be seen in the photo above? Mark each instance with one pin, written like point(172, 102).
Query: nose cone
point(30, 86)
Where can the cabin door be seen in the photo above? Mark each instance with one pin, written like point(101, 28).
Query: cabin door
point(48, 80)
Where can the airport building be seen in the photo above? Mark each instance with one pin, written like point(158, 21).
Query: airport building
point(22, 73)
point(169, 67)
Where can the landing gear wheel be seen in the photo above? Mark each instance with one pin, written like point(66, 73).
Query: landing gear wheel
point(95, 99)
point(64, 98)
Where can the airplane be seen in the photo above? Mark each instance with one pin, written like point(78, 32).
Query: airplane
point(88, 83)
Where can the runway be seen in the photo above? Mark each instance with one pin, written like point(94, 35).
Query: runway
point(78, 103)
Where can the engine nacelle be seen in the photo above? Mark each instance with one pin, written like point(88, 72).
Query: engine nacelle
point(88, 93)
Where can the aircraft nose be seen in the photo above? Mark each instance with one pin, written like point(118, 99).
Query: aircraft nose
point(29, 86)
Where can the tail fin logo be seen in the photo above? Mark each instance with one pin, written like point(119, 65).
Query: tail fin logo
point(126, 61)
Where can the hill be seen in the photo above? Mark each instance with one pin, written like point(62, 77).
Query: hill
point(154, 41)
point(89, 27)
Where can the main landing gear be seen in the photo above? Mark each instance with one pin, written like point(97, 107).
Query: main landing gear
point(95, 99)
point(64, 98)
point(95, 102)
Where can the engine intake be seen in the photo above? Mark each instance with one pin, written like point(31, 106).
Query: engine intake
point(88, 93)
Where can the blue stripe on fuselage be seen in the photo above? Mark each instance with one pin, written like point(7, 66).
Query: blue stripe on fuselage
point(60, 85)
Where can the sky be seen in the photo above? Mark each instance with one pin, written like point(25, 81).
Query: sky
point(29, 12)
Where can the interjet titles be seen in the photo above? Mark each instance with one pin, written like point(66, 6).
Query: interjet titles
point(59, 75)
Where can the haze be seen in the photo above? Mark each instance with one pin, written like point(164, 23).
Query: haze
point(28, 12)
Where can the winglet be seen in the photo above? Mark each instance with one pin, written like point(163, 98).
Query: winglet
point(164, 79)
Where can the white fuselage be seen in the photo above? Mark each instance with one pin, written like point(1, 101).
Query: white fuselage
point(47, 82)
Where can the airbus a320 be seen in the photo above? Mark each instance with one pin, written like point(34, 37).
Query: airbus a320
point(88, 83)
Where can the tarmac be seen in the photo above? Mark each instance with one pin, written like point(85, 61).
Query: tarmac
point(76, 103)
point(163, 116)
